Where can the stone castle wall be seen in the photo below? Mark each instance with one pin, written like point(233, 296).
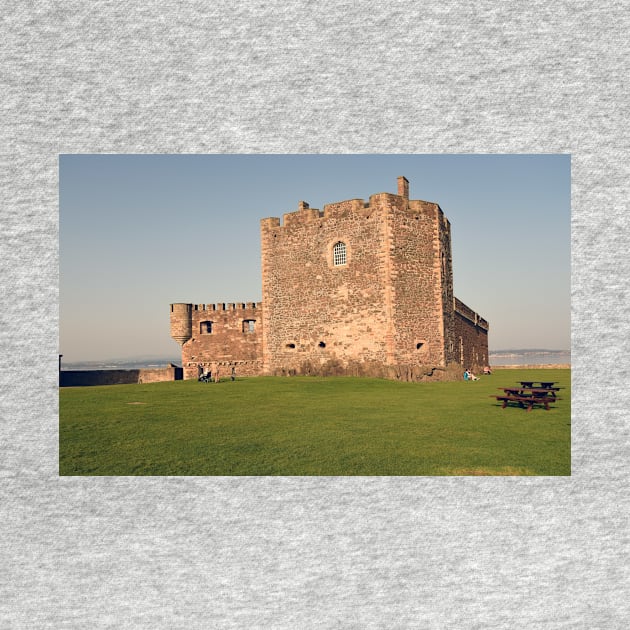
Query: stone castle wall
point(225, 333)
point(418, 283)
point(471, 333)
point(80, 378)
point(316, 311)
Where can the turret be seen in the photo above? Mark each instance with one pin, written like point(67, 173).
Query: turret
point(181, 322)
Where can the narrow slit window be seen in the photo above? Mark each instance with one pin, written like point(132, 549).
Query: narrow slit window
point(339, 254)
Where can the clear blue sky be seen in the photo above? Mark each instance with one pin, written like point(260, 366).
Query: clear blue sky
point(138, 232)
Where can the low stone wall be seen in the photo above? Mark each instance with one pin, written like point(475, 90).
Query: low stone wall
point(241, 368)
point(544, 366)
point(81, 378)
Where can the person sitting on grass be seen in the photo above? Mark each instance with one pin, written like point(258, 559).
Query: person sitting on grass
point(487, 370)
point(469, 376)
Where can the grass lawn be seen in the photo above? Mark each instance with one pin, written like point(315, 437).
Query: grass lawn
point(313, 426)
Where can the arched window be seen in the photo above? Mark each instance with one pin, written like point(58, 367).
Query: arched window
point(339, 254)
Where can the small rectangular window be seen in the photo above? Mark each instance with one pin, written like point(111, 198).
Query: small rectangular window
point(205, 328)
point(249, 325)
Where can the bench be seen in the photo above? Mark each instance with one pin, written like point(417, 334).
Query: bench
point(527, 402)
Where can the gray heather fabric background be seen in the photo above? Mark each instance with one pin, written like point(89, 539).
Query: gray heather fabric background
point(366, 77)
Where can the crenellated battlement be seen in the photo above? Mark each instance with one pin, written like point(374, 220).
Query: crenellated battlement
point(342, 209)
point(302, 216)
point(183, 310)
point(379, 202)
point(426, 207)
point(467, 312)
point(227, 306)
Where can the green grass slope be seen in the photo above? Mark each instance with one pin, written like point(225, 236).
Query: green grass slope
point(313, 426)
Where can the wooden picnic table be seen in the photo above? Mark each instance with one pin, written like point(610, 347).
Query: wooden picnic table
point(527, 396)
point(543, 384)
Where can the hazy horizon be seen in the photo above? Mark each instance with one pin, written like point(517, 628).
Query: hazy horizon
point(165, 357)
point(139, 232)
point(497, 358)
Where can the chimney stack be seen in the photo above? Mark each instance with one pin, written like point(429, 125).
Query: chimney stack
point(403, 187)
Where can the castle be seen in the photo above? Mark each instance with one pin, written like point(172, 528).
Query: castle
point(358, 288)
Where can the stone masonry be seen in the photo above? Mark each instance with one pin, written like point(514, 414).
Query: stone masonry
point(364, 287)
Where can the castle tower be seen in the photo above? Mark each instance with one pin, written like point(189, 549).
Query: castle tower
point(181, 322)
point(358, 283)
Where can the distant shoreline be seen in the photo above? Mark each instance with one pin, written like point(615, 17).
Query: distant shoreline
point(536, 366)
point(544, 366)
point(529, 360)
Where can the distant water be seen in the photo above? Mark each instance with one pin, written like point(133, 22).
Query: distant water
point(120, 365)
point(527, 358)
point(498, 358)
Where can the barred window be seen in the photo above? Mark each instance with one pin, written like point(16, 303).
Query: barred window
point(339, 254)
